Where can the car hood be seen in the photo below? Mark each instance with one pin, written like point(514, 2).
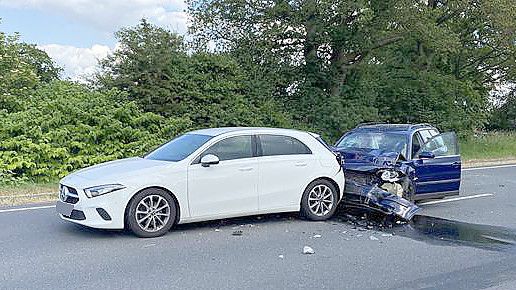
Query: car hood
point(367, 160)
point(119, 168)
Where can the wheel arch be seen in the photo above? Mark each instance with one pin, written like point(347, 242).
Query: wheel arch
point(176, 202)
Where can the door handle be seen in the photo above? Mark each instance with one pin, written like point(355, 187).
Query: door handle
point(245, 168)
point(300, 164)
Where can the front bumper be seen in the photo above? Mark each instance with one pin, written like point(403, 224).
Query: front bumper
point(103, 212)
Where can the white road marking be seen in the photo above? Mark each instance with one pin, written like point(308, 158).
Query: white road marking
point(29, 195)
point(489, 167)
point(26, 208)
point(456, 198)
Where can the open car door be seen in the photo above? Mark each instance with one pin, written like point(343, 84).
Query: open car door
point(437, 167)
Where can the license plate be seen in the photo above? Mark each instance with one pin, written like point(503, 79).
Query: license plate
point(64, 208)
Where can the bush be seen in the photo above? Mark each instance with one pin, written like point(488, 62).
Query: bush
point(63, 126)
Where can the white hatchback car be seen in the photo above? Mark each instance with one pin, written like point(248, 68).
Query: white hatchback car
point(204, 175)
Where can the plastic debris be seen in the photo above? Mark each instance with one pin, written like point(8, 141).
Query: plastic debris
point(281, 256)
point(217, 230)
point(237, 233)
point(317, 236)
point(386, 235)
point(308, 250)
point(373, 238)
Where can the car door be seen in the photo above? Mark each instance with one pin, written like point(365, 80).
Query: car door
point(285, 167)
point(229, 187)
point(437, 166)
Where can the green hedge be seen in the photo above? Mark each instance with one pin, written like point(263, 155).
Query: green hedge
point(63, 126)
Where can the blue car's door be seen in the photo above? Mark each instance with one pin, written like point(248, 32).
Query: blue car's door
point(437, 167)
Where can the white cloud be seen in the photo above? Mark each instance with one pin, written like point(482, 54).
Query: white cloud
point(106, 16)
point(109, 15)
point(78, 63)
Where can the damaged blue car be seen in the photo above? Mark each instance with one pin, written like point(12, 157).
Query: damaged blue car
point(390, 166)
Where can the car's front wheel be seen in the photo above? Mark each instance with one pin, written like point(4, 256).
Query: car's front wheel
point(151, 213)
point(319, 200)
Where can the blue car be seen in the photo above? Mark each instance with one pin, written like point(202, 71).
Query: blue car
point(388, 166)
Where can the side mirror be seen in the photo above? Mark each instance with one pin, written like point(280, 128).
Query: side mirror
point(209, 159)
point(426, 155)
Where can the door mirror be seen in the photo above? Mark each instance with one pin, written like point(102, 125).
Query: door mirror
point(426, 155)
point(209, 159)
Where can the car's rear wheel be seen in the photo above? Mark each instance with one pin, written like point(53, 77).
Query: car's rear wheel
point(152, 212)
point(319, 200)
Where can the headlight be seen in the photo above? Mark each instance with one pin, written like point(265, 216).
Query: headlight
point(389, 176)
point(102, 189)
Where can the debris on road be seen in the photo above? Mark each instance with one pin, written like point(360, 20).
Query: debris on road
point(373, 238)
point(308, 250)
point(387, 235)
point(317, 236)
point(237, 233)
point(281, 256)
point(217, 230)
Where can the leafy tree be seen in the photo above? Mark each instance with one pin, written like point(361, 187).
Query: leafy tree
point(155, 69)
point(41, 63)
point(17, 76)
point(504, 114)
point(22, 67)
point(336, 63)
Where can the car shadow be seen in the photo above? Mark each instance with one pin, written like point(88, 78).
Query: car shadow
point(84, 231)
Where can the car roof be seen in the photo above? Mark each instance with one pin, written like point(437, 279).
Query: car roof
point(395, 128)
point(224, 130)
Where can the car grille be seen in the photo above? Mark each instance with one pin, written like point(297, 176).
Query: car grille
point(68, 194)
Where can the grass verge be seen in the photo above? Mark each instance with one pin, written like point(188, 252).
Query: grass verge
point(27, 193)
point(491, 147)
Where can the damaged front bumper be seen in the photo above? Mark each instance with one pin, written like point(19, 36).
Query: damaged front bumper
point(376, 198)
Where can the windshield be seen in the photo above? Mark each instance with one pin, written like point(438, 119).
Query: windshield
point(179, 148)
point(388, 142)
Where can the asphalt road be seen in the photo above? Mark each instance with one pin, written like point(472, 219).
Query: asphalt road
point(464, 244)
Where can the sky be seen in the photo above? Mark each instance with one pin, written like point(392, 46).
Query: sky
point(76, 33)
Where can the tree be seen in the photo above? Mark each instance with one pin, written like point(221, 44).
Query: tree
point(155, 69)
point(22, 67)
point(351, 61)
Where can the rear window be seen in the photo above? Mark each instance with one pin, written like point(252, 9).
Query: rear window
point(282, 145)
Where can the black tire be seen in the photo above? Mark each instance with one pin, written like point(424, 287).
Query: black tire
point(311, 214)
point(157, 229)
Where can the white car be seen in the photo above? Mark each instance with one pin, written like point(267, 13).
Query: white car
point(204, 175)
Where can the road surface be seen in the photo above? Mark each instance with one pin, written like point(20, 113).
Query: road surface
point(461, 244)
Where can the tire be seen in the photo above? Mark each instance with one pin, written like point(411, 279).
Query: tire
point(151, 213)
point(319, 206)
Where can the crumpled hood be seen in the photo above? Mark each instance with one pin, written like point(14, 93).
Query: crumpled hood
point(119, 168)
point(367, 160)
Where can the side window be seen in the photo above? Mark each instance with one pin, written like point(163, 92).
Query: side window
point(416, 144)
point(425, 135)
point(282, 145)
point(231, 148)
point(433, 132)
point(442, 145)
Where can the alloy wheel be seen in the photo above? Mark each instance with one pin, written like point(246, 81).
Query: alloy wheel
point(152, 213)
point(321, 200)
